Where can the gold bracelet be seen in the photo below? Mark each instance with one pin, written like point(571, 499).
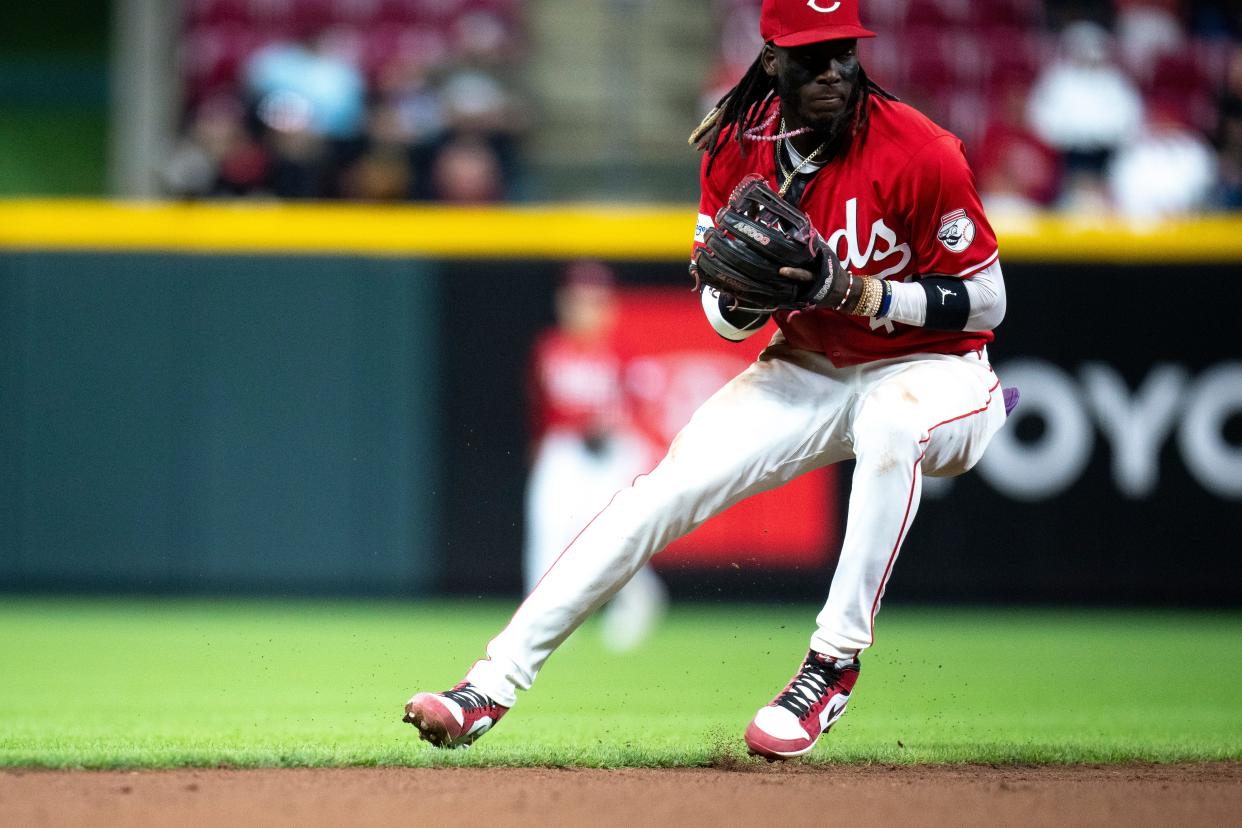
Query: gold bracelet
point(870, 297)
point(877, 297)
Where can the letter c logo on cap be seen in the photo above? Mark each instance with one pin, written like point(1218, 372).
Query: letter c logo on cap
point(821, 9)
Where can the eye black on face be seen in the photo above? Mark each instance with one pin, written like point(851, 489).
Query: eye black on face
point(814, 59)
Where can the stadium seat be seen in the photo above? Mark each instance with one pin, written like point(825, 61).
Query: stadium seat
point(1012, 51)
point(1017, 13)
point(885, 15)
point(926, 57)
point(271, 12)
point(966, 58)
point(440, 11)
point(308, 16)
point(412, 45)
point(968, 113)
point(935, 13)
point(212, 56)
point(884, 59)
point(360, 13)
point(217, 12)
point(1179, 87)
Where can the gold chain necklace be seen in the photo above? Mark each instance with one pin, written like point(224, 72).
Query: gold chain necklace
point(789, 177)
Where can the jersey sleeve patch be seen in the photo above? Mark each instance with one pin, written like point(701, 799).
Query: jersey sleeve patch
point(704, 224)
point(957, 231)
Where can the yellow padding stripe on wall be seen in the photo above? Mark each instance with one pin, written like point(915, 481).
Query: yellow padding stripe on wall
point(432, 232)
point(542, 232)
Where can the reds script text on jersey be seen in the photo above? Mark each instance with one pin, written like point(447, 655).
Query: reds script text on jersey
point(906, 206)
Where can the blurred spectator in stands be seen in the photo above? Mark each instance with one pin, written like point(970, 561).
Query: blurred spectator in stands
point(1146, 30)
point(479, 99)
point(1061, 13)
point(1082, 104)
point(483, 39)
point(310, 103)
point(410, 89)
point(217, 156)
point(1169, 171)
point(1018, 173)
point(383, 170)
point(467, 171)
point(1174, 74)
point(1229, 136)
point(300, 154)
point(476, 101)
point(1084, 193)
point(327, 85)
point(478, 105)
point(360, 105)
point(1216, 19)
point(407, 119)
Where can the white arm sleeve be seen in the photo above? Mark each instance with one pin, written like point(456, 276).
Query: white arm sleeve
point(741, 327)
point(986, 290)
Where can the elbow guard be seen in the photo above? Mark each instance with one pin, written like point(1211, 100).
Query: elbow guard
point(948, 303)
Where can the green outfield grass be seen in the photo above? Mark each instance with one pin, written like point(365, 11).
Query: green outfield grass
point(94, 683)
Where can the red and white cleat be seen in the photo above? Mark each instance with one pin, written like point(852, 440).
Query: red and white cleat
point(454, 718)
point(808, 706)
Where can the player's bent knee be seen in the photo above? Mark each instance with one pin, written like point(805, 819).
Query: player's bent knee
point(951, 461)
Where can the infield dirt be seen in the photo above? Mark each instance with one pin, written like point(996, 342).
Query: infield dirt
point(751, 795)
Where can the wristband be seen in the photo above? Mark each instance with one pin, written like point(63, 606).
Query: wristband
point(948, 303)
point(886, 302)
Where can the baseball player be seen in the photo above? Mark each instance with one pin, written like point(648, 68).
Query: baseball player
point(853, 222)
point(585, 448)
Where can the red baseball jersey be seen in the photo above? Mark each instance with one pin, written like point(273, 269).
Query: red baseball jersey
point(575, 385)
point(900, 203)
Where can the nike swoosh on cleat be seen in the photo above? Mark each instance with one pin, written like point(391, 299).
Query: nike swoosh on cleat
point(479, 726)
point(833, 711)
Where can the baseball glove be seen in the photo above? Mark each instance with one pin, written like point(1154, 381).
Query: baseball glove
point(756, 234)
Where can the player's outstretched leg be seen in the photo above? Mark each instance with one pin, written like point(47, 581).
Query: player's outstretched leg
point(454, 718)
point(809, 706)
point(695, 481)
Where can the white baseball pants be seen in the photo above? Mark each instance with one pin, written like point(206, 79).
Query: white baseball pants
point(789, 412)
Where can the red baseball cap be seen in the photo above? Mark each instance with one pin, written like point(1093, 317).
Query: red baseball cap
point(799, 22)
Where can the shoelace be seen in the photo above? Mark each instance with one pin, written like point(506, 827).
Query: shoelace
point(807, 688)
point(468, 698)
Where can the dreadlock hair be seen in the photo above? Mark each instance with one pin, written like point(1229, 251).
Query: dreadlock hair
point(741, 108)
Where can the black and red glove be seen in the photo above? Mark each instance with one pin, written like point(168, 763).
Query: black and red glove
point(756, 235)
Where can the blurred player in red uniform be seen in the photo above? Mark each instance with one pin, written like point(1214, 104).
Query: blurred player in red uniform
point(585, 448)
point(894, 376)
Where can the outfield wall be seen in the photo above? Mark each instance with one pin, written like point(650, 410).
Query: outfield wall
point(330, 399)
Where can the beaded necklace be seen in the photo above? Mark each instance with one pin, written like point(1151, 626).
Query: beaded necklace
point(756, 133)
